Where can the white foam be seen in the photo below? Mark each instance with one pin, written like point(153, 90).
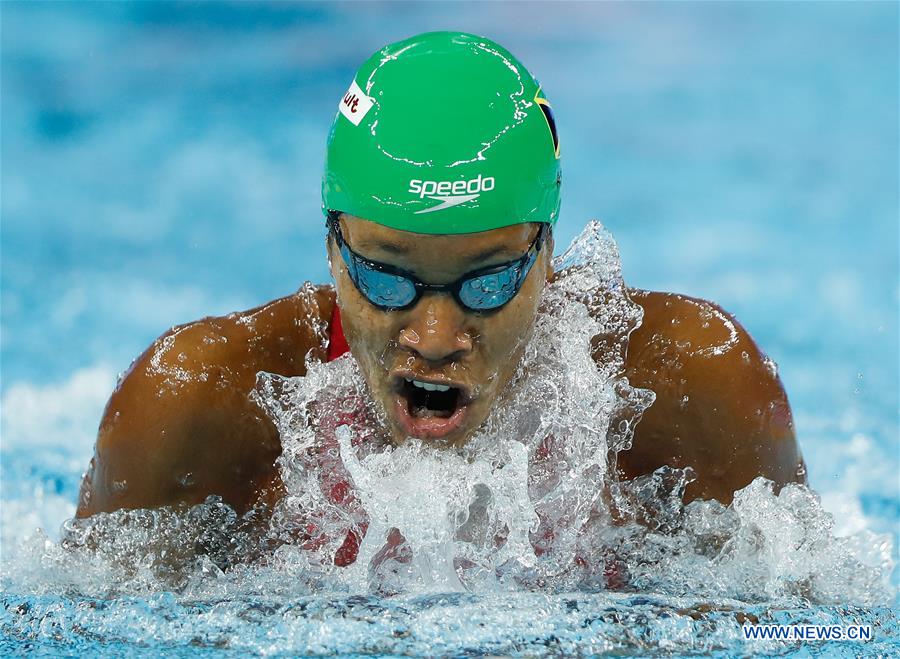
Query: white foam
point(48, 433)
point(59, 414)
point(502, 513)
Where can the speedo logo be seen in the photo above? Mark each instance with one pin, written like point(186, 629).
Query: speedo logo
point(450, 193)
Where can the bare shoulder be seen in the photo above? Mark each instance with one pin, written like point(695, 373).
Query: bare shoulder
point(720, 406)
point(180, 424)
point(274, 336)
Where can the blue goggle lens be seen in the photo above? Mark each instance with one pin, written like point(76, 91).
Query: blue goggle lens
point(490, 291)
point(391, 290)
point(381, 288)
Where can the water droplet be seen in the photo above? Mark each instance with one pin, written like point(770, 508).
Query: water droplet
point(425, 492)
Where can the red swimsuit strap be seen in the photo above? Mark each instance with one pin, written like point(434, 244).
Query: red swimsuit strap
point(337, 342)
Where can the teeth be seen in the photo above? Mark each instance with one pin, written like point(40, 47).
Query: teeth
point(427, 386)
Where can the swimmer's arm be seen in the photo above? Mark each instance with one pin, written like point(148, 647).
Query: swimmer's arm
point(720, 406)
point(180, 425)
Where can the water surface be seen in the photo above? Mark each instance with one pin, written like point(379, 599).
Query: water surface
point(160, 163)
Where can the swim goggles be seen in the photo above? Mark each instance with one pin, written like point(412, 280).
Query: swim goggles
point(391, 288)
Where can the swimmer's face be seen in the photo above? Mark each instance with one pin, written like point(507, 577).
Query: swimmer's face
point(437, 341)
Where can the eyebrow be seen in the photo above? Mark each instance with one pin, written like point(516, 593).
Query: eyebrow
point(491, 252)
point(488, 253)
point(390, 248)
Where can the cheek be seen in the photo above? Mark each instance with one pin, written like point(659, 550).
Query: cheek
point(363, 326)
point(369, 332)
point(504, 335)
point(355, 311)
point(346, 291)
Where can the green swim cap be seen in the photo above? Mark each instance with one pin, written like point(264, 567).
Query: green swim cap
point(443, 133)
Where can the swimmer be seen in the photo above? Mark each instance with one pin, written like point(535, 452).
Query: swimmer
point(440, 193)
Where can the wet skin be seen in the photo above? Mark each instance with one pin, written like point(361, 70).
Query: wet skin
point(437, 341)
point(180, 425)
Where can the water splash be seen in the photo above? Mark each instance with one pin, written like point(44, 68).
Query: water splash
point(520, 508)
point(522, 504)
point(507, 508)
point(764, 547)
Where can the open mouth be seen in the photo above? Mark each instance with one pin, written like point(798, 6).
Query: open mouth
point(429, 410)
point(428, 400)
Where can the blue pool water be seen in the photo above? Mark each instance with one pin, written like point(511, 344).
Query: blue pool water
point(161, 163)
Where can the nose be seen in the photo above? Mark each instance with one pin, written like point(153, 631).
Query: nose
point(435, 329)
